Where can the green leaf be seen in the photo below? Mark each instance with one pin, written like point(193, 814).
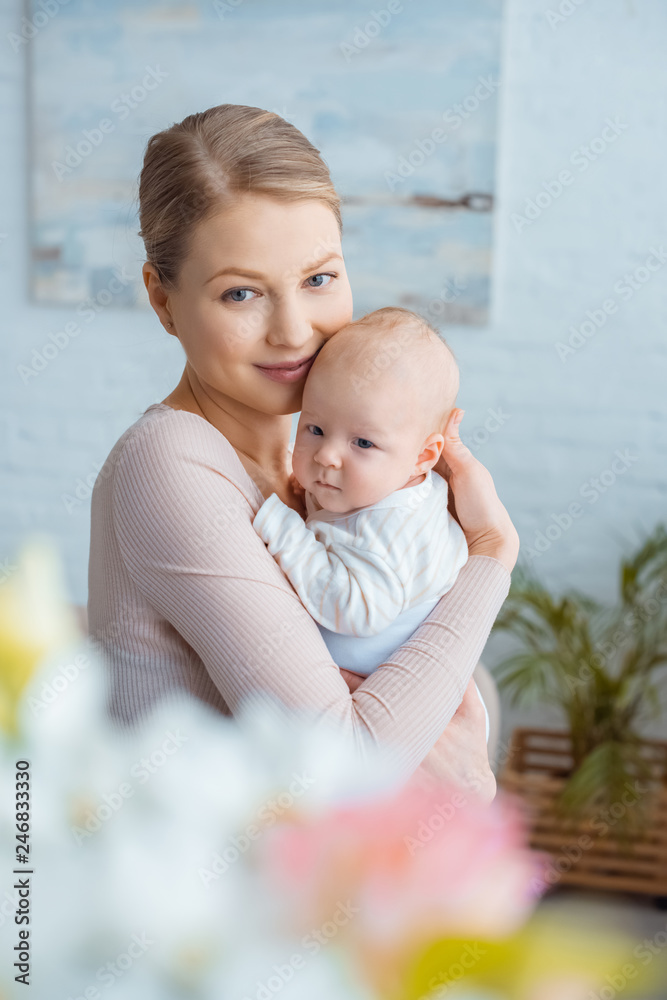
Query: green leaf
point(600, 783)
point(597, 664)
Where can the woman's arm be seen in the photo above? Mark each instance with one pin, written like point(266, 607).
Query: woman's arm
point(226, 596)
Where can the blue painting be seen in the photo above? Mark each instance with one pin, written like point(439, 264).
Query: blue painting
point(401, 99)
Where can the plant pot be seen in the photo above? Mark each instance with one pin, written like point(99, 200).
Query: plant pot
point(589, 852)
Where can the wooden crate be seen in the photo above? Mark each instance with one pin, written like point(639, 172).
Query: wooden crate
point(584, 853)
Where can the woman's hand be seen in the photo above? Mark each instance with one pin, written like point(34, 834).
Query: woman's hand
point(351, 679)
point(474, 501)
point(460, 756)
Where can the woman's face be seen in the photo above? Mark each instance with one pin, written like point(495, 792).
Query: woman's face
point(264, 285)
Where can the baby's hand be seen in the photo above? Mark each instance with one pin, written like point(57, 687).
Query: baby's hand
point(297, 488)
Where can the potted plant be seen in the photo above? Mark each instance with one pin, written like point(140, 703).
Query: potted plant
point(596, 791)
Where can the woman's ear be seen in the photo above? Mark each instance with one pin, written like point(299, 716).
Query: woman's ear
point(158, 297)
point(430, 453)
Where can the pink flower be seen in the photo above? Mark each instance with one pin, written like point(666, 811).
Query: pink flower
point(421, 864)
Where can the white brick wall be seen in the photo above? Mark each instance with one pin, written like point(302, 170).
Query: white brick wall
point(561, 422)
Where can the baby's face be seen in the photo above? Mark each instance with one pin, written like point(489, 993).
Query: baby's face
point(352, 447)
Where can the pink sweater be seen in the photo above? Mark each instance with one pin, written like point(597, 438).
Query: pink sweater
point(184, 596)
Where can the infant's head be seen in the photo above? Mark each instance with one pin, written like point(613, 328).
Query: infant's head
point(375, 405)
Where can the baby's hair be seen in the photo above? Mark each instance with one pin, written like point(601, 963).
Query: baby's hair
point(396, 344)
point(396, 314)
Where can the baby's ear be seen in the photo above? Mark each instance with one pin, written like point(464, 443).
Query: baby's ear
point(431, 451)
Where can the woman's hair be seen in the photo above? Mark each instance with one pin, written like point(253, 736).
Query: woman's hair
point(195, 167)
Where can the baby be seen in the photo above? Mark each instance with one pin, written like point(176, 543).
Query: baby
point(378, 548)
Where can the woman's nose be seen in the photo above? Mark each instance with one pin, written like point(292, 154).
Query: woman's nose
point(289, 325)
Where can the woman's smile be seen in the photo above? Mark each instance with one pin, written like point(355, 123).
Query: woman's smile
point(286, 372)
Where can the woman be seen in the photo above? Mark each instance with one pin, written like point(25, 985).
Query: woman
point(242, 231)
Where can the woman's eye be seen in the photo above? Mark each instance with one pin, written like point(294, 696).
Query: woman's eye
point(238, 295)
point(363, 443)
point(318, 280)
point(314, 429)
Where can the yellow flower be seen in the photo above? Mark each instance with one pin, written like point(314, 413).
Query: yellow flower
point(35, 621)
point(556, 956)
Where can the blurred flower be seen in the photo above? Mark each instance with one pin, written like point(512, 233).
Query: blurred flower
point(202, 857)
point(410, 868)
point(420, 862)
point(573, 954)
point(34, 621)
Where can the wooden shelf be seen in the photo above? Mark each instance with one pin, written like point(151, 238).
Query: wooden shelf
point(584, 853)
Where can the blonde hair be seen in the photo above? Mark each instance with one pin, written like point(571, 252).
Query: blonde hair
point(196, 167)
point(394, 345)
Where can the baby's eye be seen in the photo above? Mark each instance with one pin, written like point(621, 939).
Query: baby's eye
point(363, 443)
point(314, 429)
point(237, 295)
point(318, 282)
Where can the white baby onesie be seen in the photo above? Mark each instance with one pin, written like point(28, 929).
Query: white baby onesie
point(368, 577)
point(356, 572)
